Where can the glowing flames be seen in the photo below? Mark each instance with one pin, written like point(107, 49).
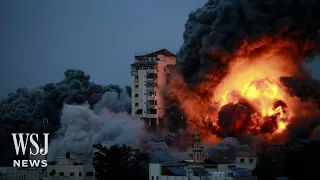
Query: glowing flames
point(261, 94)
point(249, 98)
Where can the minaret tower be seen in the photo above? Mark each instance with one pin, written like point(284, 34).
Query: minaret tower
point(197, 148)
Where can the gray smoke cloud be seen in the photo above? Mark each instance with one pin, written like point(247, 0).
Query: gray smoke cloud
point(25, 109)
point(230, 147)
point(107, 123)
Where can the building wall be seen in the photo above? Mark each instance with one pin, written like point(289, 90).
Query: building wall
point(141, 89)
point(246, 162)
point(8, 173)
point(220, 176)
point(162, 80)
point(68, 169)
point(245, 178)
point(174, 178)
point(29, 173)
point(22, 174)
point(154, 171)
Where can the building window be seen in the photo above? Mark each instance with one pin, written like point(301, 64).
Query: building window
point(152, 178)
point(151, 84)
point(157, 177)
point(136, 77)
point(151, 111)
point(61, 173)
point(152, 75)
point(71, 174)
point(242, 160)
point(136, 95)
point(134, 73)
point(150, 66)
point(152, 102)
point(80, 173)
point(139, 111)
point(250, 160)
point(89, 174)
point(151, 93)
point(53, 172)
point(137, 104)
point(137, 85)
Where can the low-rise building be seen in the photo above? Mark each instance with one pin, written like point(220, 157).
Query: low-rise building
point(69, 168)
point(248, 162)
point(64, 168)
point(167, 167)
point(8, 173)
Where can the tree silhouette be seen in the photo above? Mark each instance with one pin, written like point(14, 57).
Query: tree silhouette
point(120, 162)
point(296, 163)
point(302, 163)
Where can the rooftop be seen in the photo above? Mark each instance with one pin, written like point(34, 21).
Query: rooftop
point(200, 171)
point(160, 52)
point(218, 160)
point(240, 171)
point(160, 158)
point(177, 170)
point(143, 62)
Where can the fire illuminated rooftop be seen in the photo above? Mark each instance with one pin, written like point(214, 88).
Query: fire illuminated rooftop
point(160, 52)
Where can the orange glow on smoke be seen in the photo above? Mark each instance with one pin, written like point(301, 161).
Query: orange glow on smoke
point(252, 76)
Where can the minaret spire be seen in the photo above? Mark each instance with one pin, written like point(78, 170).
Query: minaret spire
point(197, 148)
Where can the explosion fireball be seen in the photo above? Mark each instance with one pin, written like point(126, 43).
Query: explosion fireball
point(236, 65)
point(250, 99)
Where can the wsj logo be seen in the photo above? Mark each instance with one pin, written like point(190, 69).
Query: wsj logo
point(21, 141)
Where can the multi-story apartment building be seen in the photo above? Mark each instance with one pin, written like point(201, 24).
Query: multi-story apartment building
point(149, 77)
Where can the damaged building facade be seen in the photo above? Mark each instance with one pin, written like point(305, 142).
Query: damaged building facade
point(149, 76)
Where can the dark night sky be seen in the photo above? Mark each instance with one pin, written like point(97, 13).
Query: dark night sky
point(40, 39)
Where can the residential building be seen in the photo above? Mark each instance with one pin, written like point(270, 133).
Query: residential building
point(8, 173)
point(70, 169)
point(149, 77)
point(13, 173)
point(66, 168)
point(248, 162)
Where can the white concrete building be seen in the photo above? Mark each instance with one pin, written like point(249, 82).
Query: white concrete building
point(8, 173)
point(64, 168)
point(248, 162)
point(70, 169)
point(149, 77)
point(12, 173)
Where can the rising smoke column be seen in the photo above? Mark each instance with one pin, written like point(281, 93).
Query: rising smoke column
point(221, 26)
point(225, 36)
point(80, 113)
point(107, 123)
point(25, 109)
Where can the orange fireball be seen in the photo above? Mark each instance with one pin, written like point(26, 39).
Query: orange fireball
point(251, 80)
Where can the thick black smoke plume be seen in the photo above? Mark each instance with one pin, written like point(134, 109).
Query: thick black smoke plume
point(25, 109)
point(218, 29)
point(220, 26)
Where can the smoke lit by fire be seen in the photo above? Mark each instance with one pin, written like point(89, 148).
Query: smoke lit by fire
point(250, 98)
